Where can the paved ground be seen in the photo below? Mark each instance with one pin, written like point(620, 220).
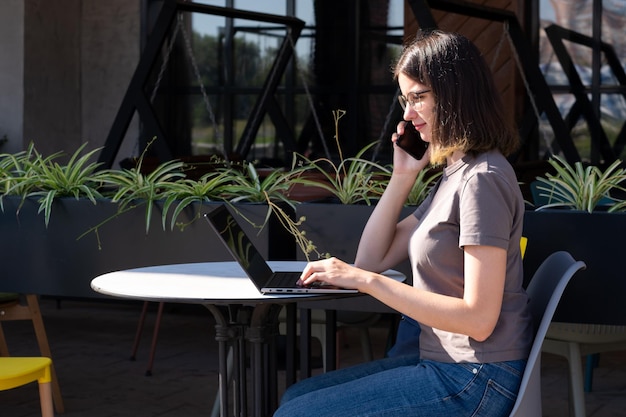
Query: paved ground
point(91, 344)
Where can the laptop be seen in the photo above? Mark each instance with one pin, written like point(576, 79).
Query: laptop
point(246, 254)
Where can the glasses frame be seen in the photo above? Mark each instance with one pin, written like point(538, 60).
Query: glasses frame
point(409, 101)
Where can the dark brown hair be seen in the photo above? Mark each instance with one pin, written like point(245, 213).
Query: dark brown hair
point(468, 113)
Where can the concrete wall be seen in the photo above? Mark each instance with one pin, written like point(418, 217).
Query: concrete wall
point(110, 48)
point(11, 73)
point(52, 67)
point(65, 66)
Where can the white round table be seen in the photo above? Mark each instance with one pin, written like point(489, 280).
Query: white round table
point(240, 310)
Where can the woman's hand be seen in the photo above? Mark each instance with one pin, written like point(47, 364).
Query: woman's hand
point(335, 272)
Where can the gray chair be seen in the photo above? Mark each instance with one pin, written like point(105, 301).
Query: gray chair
point(575, 340)
point(544, 291)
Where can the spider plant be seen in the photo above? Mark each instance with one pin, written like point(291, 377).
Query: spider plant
point(134, 187)
point(423, 183)
point(181, 194)
point(581, 188)
point(46, 179)
point(272, 190)
point(248, 186)
point(353, 180)
point(14, 172)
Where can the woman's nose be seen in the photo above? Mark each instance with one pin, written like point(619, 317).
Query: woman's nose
point(409, 113)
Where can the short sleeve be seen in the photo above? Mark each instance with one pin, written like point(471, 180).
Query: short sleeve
point(487, 207)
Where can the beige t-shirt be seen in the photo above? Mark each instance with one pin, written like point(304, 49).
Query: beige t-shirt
point(477, 202)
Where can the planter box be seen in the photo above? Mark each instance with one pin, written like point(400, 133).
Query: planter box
point(53, 262)
point(596, 295)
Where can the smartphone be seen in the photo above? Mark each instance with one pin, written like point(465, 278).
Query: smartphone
point(411, 141)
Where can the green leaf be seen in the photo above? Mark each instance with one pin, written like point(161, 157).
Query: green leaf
point(578, 187)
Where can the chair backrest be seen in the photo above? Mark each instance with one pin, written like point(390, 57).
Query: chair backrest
point(544, 292)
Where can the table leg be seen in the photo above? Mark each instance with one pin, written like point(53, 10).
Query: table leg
point(272, 362)
point(224, 335)
point(292, 329)
point(242, 318)
point(305, 343)
point(261, 333)
point(260, 328)
point(331, 340)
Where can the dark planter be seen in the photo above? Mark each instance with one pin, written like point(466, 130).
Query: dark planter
point(51, 261)
point(596, 295)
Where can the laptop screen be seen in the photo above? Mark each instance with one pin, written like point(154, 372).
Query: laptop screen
point(239, 245)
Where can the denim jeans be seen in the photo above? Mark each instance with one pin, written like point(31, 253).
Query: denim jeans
point(407, 338)
point(407, 386)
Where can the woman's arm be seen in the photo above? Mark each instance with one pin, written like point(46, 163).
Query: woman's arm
point(384, 241)
point(475, 315)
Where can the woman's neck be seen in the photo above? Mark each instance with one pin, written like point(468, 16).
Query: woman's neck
point(456, 155)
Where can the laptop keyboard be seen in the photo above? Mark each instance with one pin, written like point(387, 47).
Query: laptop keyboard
point(284, 279)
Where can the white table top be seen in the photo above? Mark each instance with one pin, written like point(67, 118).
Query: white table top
point(206, 282)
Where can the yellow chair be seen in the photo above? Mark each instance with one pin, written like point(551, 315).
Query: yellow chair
point(523, 242)
point(12, 308)
point(17, 371)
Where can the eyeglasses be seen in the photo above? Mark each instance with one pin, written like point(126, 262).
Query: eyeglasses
point(413, 99)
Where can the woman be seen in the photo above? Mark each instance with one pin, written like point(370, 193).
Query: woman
point(463, 243)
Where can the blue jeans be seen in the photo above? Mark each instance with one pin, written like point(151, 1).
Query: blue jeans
point(407, 386)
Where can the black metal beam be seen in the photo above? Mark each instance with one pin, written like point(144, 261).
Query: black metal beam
point(269, 87)
point(283, 131)
point(422, 14)
point(584, 106)
point(135, 98)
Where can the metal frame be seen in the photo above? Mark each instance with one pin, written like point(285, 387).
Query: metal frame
point(135, 99)
point(583, 106)
point(524, 40)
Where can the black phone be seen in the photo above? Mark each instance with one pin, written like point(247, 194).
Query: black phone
point(411, 141)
